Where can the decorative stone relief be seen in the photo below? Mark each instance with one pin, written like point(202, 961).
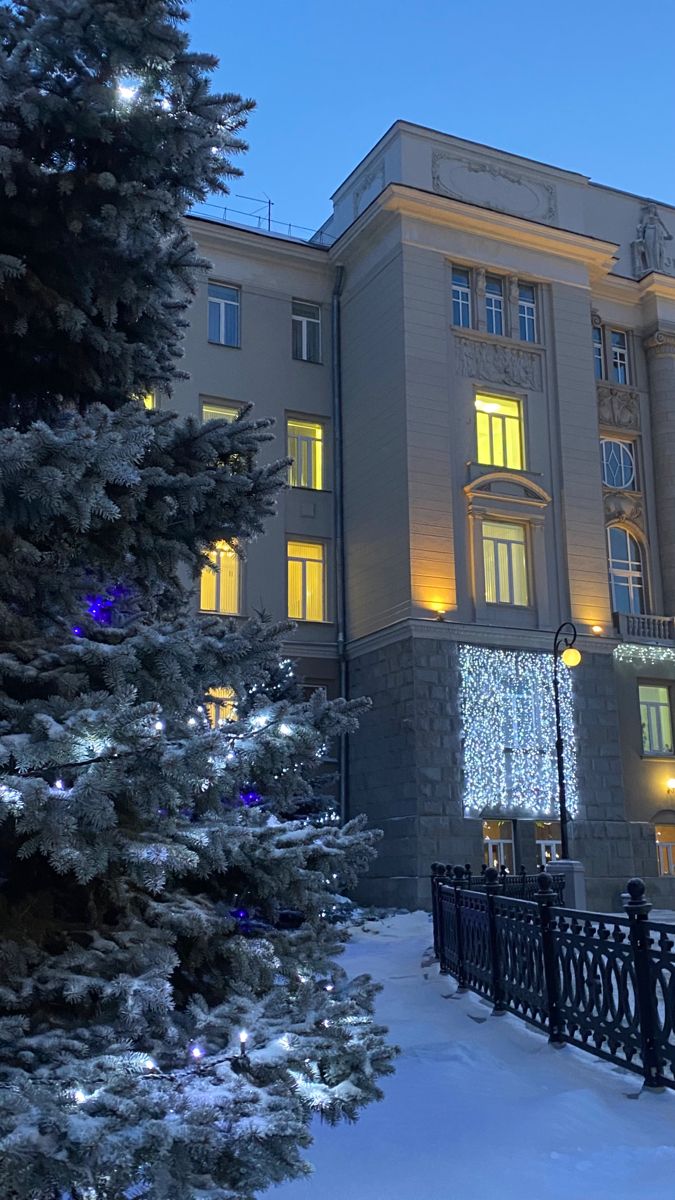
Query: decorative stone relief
point(498, 364)
point(649, 249)
point(623, 506)
point(490, 186)
point(618, 407)
point(369, 186)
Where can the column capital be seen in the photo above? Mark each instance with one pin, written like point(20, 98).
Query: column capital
point(661, 342)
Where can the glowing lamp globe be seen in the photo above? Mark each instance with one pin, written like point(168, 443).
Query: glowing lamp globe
point(571, 656)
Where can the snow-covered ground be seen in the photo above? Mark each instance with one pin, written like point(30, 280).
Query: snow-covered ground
point(482, 1106)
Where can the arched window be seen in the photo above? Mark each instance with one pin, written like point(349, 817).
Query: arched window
point(626, 573)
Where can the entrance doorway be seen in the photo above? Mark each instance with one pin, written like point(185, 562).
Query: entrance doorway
point(498, 844)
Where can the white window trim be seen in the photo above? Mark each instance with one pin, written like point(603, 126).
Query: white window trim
point(295, 558)
point(306, 439)
point(222, 303)
point(304, 323)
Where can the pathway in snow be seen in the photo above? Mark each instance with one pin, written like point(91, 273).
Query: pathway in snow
point(484, 1108)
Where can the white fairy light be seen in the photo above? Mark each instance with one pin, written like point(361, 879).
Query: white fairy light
point(644, 655)
point(79, 1096)
point(329, 987)
point(285, 730)
point(127, 91)
point(150, 1064)
point(197, 1052)
point(59, 784)
point(508, 722)
point(192, 721)
point(159, 725)
point(243, 1038)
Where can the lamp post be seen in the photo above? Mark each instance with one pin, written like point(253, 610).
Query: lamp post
point(563, 648)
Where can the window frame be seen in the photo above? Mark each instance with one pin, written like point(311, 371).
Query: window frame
point(229, 410)
point(598, 342)
point(463, 299)
point(525, 316)
point(629, 574)
point(300, 540)
point(494, 306)
point(492, 420)
point(222, 303)
point(304, 322)
point(654, 725)
point(624, 361)
point(668, 847)
point(496, 542)
point(292, 419)
point(628, 446)
point(219, 548)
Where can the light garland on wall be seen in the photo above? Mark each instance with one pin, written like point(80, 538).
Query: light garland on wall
point(646, 655)
point(508, 722)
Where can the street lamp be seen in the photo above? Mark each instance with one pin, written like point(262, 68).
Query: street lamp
point(563, 648)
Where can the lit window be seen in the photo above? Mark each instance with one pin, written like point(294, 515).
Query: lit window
point(618, 464)
point(306, 323)
point(625, 571)
point(306, 581)
point(461, 297)
point(214, 411)
point(499, 439)
point(224, 303)
point(220, 581)
point(619, 357)
point(598, 353)
point(494, 304)
point(150, 401)
point(655, 719)
point(498, 844)
point(505, 563)
point(548, 843)
point(665, 848)
point(221, 706)
point(305, 447)
point(527, 313)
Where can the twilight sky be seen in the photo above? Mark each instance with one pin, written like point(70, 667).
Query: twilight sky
point(588, 85)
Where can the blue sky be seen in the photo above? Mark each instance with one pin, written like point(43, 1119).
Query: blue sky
point(582, 85)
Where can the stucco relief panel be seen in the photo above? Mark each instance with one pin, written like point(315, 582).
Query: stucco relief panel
point(618, 408)
point(498, 364)
point(493, 187)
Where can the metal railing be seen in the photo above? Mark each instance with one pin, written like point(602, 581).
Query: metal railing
point(520, 885)
point(263, 222)
point(600, 982)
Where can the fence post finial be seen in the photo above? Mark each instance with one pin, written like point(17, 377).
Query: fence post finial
point(637, 909)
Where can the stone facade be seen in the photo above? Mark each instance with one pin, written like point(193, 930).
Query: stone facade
point(411, 490)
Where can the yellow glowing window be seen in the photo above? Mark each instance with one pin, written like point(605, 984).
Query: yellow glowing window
point(219, 412)
point(219, 590)
point(656, 719)
point(499, 433)
point(150, 400)
point(306, 581)
point(222, 706)
point(305, 447)
point(505, 563)
point(665, 849)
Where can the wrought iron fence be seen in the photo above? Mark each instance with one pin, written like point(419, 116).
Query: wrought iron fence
point(519, 885)
point(600, 982)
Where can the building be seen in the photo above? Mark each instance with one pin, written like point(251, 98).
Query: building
point(486, 450)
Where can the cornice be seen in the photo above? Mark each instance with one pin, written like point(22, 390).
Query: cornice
point(251, 242)
point(596, 255)
point(655, 284)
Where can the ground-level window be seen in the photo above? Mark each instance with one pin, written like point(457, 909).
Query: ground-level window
point(221, 706)
point(219, 590)
point(306, 581)
point(549, 845)
point(665, 849)
point(655, 719)
point(498, 844)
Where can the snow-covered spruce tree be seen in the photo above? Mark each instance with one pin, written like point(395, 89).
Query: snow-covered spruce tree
point(162, 882)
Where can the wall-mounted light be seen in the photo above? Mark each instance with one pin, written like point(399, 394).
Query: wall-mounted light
point(670, 787)
point(596, 629)
point(440, 615)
